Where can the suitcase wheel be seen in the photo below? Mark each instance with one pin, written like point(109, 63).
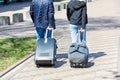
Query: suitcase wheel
point(38, 65)
point(72, 65)
point(84, 64)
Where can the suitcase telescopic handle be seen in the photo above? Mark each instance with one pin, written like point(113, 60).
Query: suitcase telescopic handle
point(46, 33)
point(82, 42)
point(79, 34)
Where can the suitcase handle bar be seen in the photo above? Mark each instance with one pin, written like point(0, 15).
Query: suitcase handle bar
point(79, 39)
point(46, 35)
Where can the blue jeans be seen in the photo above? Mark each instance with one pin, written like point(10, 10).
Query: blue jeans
point(40, 33)
point(74, 33)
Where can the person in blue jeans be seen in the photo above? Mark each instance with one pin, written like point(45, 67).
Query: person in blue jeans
point(77, 16)
point(42, 14)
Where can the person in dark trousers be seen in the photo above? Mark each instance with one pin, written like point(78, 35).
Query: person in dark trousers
point(42, 14)
point(77, 16)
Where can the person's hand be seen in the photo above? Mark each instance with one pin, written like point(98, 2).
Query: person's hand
point(49, 28)
point(82, 30)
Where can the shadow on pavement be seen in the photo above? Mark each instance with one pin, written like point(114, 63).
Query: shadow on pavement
point(98, 23)
point(117, 77)
point(103, 23)
point(63, 58)
point(93, 56)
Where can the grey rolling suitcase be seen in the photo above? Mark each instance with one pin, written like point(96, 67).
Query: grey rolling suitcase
point(45, 52)
point(78, 55)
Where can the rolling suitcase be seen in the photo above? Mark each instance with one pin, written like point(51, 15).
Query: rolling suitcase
point(45, 51)
point(78, 54)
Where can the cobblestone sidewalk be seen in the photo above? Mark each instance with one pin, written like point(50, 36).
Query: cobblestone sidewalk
point(103, 39)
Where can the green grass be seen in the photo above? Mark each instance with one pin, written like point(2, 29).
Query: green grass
point(4, 16)
point(17, 13)
point(14, 49)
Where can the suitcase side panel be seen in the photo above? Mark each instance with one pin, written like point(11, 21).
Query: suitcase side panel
point(45, 52)
point(78, 55)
